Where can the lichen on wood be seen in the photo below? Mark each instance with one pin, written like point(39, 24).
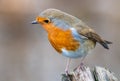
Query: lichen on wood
point(86, 74)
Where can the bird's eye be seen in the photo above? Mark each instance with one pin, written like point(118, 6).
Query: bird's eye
point(46, 21)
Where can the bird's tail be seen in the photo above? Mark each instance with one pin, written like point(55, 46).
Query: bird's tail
point(105, 43)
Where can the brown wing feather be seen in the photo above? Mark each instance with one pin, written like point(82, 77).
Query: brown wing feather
point(92, 35)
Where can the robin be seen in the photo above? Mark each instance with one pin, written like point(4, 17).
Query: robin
point(69, 35)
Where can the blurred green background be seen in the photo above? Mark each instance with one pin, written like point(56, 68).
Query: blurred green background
point(26, 54)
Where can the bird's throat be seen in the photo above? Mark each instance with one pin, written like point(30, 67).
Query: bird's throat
point(49, 27)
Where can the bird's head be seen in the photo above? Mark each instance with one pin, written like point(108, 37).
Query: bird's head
point(47, 16)
point(57, 18)
point(41, 20)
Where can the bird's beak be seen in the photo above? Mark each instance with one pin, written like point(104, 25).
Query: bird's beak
point(38, 20)
point(34, 22)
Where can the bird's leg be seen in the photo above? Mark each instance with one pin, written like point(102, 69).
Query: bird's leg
point(81, 63)
point(67, 66)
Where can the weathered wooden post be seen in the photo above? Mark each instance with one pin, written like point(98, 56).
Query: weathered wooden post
point(87, 74)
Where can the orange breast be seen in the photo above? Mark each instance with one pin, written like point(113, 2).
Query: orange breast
point(62, 39)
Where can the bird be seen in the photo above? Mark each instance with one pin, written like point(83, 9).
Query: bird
point(69, 35)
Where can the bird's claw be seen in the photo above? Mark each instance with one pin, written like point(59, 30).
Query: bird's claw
point(66, 72)
point(79, 66)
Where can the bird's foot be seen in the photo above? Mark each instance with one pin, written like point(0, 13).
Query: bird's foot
point(82, 66)
point(66, 72)
point(79, 66)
